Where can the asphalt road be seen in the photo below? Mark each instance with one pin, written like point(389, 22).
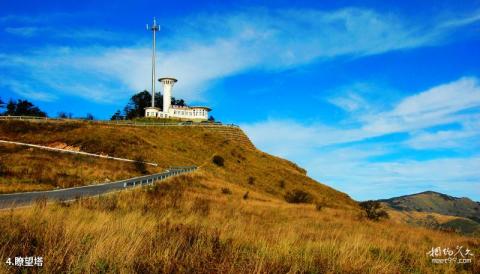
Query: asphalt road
point(25, 198)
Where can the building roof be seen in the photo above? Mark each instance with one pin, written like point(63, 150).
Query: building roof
point(155, 108)
point(167, 78)
point(192, 107)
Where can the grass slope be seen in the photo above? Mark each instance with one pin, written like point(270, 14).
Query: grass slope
point(437, 210)
point(188, 224)
point(217, 219)
point(430, 201)
point(169, 146)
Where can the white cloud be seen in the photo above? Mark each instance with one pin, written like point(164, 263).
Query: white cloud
point(466, 20)
point(330, 156)
point(224, 45)
point(352, 97)
point(439, 105)
point(364, 179)
point(436, 106)
point(22, 31)
point(290, 139)
point(98, 35)
point(465, 137)
point(25, 90)
point(350, 102)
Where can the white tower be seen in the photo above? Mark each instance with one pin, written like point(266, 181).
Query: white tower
point(167, 92)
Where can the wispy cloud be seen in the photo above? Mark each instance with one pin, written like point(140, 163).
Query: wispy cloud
point(466, 137)
point(22, 31)
point(439, 105)
point(340, 155)
point(352, 171)
point(474, 17)
point(229, 44)
point(24, 89)
point(76, 34)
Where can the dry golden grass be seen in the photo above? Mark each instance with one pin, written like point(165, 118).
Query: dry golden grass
point(405, 216)
point(188, 225)
point(31, 169)
point(171, 146)
point(191, 224)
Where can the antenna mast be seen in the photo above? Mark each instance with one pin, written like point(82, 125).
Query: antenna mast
point(154, 28)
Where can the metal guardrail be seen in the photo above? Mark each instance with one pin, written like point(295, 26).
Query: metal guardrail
point(150, 179)
point(118, 122)
point(13, 200)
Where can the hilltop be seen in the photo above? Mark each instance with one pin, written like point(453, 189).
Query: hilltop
point(165, 145)
point(230, 216)
point(437, 210)
point(430, 201)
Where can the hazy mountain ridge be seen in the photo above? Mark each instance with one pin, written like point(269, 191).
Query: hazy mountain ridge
point(462, 214)
point(430, 201)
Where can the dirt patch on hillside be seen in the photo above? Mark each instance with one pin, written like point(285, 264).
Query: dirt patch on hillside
point(61, 145)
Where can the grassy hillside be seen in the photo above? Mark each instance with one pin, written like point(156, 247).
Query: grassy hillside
point(31, 169)
point(435, 221)
point(167, 146)
point(229, 218)
point(438, 211)
point(189, 224)
point(430, 201)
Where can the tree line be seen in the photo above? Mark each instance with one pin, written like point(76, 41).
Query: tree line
point(20, 108)
point(135, 107)
point(25, 108)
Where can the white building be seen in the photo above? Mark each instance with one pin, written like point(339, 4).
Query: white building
point(191, 113)
point(169, 110)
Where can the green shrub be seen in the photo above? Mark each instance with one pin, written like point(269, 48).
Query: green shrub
point(245, 196)
point(281, 184)
point(3, 169)
point(298, 196)
point(226, 190)
point(373, 210)
point(251, 180)
point(218, 160)
point(140, 165)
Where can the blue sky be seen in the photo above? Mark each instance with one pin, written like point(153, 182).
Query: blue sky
point(376, 100)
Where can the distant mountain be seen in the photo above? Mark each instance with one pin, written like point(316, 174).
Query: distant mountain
point(430, 201)
point(436, 211)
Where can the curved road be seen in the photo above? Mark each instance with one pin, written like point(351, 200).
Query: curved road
point(22, 199)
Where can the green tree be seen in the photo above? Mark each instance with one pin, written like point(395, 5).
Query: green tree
point(298, 196)
point(218, 160)
point(179, 102)
point(11, 106)
point(89, 117)
point(62, 115)
point(136, 105)
point(373, 210)
point(117, 116)
point(23, 108)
